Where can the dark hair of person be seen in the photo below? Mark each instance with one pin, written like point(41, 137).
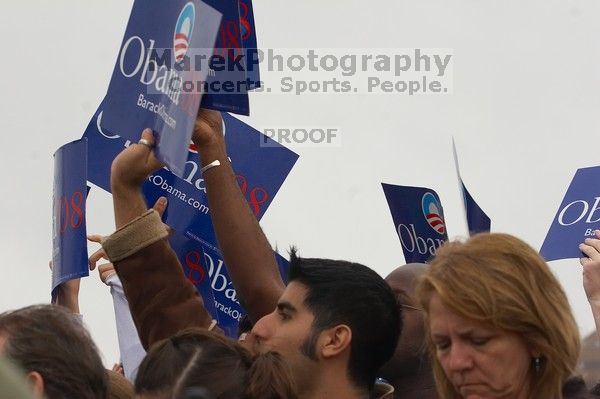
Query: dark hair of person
point(340, 292)
point(49, 340)
point(196, 363)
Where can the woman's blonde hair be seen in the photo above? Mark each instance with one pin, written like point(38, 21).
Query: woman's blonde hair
point(500, 280)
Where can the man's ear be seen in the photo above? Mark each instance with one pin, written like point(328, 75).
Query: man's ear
point(36, 381)
point(335, 340)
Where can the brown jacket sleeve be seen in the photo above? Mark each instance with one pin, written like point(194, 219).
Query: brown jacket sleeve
point(162, 301)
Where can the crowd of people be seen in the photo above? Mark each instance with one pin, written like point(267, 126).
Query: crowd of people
point(486, 318)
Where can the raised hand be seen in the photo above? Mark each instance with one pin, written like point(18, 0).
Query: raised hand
point(135, 163)
point(591, 267)
point(208, 129)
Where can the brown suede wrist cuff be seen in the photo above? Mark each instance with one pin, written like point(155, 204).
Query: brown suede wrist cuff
point(134, 236)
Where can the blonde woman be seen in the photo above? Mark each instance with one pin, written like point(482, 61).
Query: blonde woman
point(499, 323)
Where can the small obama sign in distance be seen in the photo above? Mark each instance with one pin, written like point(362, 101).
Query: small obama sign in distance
point(577, 217)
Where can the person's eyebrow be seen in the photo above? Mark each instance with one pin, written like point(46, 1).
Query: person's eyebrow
point(436, 336)
point(286, 306)
point(464, 333)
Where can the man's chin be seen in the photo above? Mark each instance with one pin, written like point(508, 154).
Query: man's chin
point(474, 391)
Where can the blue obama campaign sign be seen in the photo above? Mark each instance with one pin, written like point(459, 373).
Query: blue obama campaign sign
point(226, 87)
point(250, 43)
point(477, 220)
point(69, 244)
point(577, 217)
point(418, 219)
point(150, 82)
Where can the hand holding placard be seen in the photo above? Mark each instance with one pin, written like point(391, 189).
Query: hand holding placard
point(209, 141)
point(208, 129)
point(591, 267)
point(131, 167)
point(591, 274)
point(150, 85)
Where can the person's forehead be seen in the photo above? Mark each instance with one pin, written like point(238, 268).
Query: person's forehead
point(443, 316)
point(294, 294)
point(295, 290)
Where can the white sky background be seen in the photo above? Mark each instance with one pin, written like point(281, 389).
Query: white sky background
point(524, 113)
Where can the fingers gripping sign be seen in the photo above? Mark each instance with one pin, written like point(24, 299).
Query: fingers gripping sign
point(591, 267)
point(591, 248)
point(136, 162)
point(208, 128)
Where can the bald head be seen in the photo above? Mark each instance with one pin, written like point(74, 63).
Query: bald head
point(405, 278)
point(410, 361)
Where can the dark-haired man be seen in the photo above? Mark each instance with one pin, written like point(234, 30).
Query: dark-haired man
point(349, 315)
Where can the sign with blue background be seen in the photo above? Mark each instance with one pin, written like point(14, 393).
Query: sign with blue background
point(477, 220)
point(250, 43)
point(69, 244)
point(577, 217)
point(418, 219)
point(227, 83)
point(152, 79)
